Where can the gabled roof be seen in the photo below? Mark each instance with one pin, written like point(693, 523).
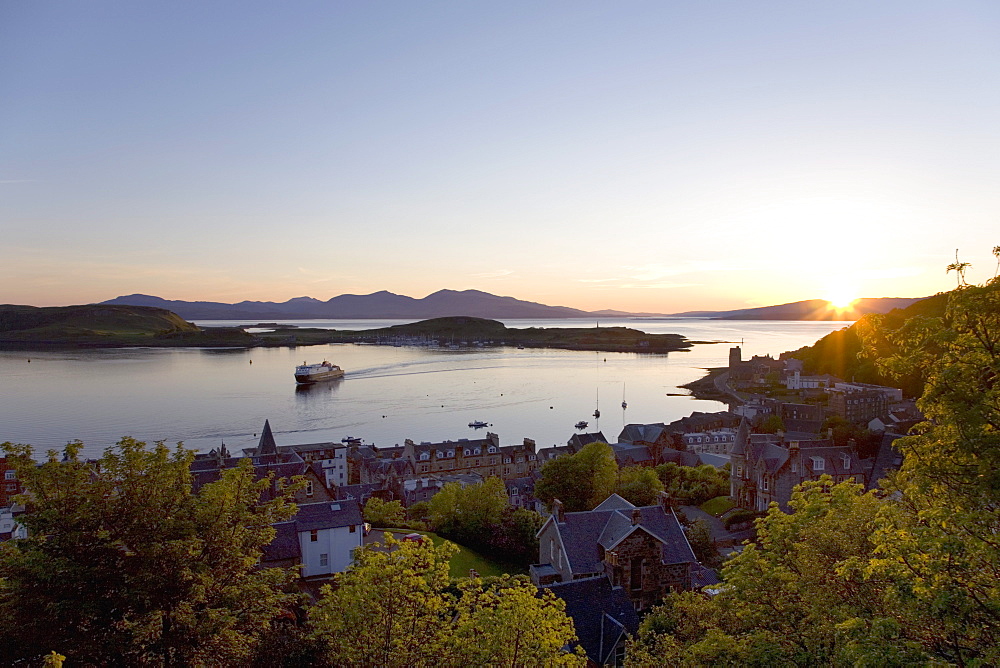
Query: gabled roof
point(602, 615)
point(646, 433)
point(328, 515)
point(615, 502)
point(582, 533)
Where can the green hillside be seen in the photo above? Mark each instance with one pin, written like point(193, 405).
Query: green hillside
point(103, 325)
point(838, 353)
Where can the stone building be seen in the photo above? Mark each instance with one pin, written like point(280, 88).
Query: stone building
point(767, 467)
point(484, 456)
point(643, 550)
point(859, 406)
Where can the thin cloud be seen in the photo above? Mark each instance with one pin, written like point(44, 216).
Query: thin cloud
point(500, 273)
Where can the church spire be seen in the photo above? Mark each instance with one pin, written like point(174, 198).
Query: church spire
point(267, 446)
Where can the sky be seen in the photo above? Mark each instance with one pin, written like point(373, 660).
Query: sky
point(641, 156)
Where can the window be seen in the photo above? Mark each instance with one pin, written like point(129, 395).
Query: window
point(739, 471)
point(492, 448)
point(817, 463)
point(424, 468)
point(763, 483)
point(531, 458)
point(324, 559)
point(314, 535)
point(846, 460)
point(477, 451)
point(450, 453)
point(354, 528)
point(506, 460)
point(635, 574)
point(425, 456)
point(10, 475)
point(309, 488)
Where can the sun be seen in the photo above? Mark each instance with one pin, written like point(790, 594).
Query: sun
point(842, 297)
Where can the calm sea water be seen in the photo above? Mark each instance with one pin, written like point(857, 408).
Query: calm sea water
point(206, 396)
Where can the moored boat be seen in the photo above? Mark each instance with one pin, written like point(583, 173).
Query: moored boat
point(478, 424)
point(313, 373)
point(581, 425)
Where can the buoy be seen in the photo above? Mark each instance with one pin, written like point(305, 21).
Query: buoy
point(251, 361)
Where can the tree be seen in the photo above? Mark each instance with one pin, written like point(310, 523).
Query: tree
point(394, 607)
point(639, 485)
point(772, 424)
point(937, 542)
point(692, 486)
point(381, 513)
point(798, 596)
point(581, 480)
point(479, 516)
point(125, 564)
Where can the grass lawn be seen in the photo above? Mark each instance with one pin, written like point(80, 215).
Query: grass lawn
point(717, 506)
point(466, 559)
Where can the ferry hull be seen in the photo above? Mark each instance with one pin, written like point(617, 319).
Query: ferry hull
point(306, 379)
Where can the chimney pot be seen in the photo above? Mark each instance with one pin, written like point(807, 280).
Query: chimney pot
point(636, 516)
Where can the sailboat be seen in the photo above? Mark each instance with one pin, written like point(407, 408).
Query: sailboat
point(597, 409)
point(624, 405)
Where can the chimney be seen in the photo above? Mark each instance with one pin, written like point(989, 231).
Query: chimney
point(781, 435)
point(829, 433)
point(529, 445)
point(793, 445)
point(636, 516)
point(665, 501)
point(557, 510)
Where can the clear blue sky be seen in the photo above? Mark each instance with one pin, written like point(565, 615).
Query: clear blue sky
point(651, 156)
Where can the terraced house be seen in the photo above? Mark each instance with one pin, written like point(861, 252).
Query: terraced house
point(484, 456)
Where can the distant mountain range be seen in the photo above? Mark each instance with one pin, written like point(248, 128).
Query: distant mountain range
point(477, 304)
point(810, 309)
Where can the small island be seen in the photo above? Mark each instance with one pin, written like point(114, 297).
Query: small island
point(104, 326)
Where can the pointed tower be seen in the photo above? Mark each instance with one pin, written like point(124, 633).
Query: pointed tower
point(267, 446)
point(737, 461)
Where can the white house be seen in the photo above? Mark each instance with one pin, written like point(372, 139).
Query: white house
point(9, 527)
point(328, 533)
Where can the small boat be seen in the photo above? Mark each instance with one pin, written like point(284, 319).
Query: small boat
point(581, 425)
point(478, 424)
point(313, 373)
point(351, 440)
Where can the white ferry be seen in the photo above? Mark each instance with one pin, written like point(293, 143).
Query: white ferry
point(312, 373)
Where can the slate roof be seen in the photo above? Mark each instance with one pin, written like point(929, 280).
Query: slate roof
point(647, 433)
point(583, 532)
point(615, 502)
point(328, 515)
point(718, 461)
point(684, 458)
point(627, 454)
point(702, 576)
point(601, 614)
point(578, 441)
point(285, 544)
point(360, 493)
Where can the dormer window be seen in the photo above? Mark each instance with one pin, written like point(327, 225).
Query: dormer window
point(477, 451)
point(493, 448)
point(309, 488)
point(450, 453)
point(846, 460)
point(817, 463)
point(425, 456)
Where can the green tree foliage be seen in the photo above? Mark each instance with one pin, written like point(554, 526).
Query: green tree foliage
point(581, 480)
point(639, 485)
point(906, 576)
point(395, 607)
point(938, 541)
point(384, 514)
point(799, 596)
point(125, 565)
point(699, 535)
point(771, 424)
point(839, 353)
point(480, 517)
point(693, 485)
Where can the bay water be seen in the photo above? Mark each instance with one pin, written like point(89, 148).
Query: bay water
point(204, 397)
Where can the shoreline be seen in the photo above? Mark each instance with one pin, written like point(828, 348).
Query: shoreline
point(707, 387)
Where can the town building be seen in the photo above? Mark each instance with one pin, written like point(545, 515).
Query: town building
point(320, 538)
point(10, 485)
point(643, 550)
point(767, 467)
point(484, 456)
point(858, 406)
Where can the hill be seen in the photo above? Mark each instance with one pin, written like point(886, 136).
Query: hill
point(381, 304)
point(106, 325)
point(837, 352)
point(465, 330)
point(810, 309)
